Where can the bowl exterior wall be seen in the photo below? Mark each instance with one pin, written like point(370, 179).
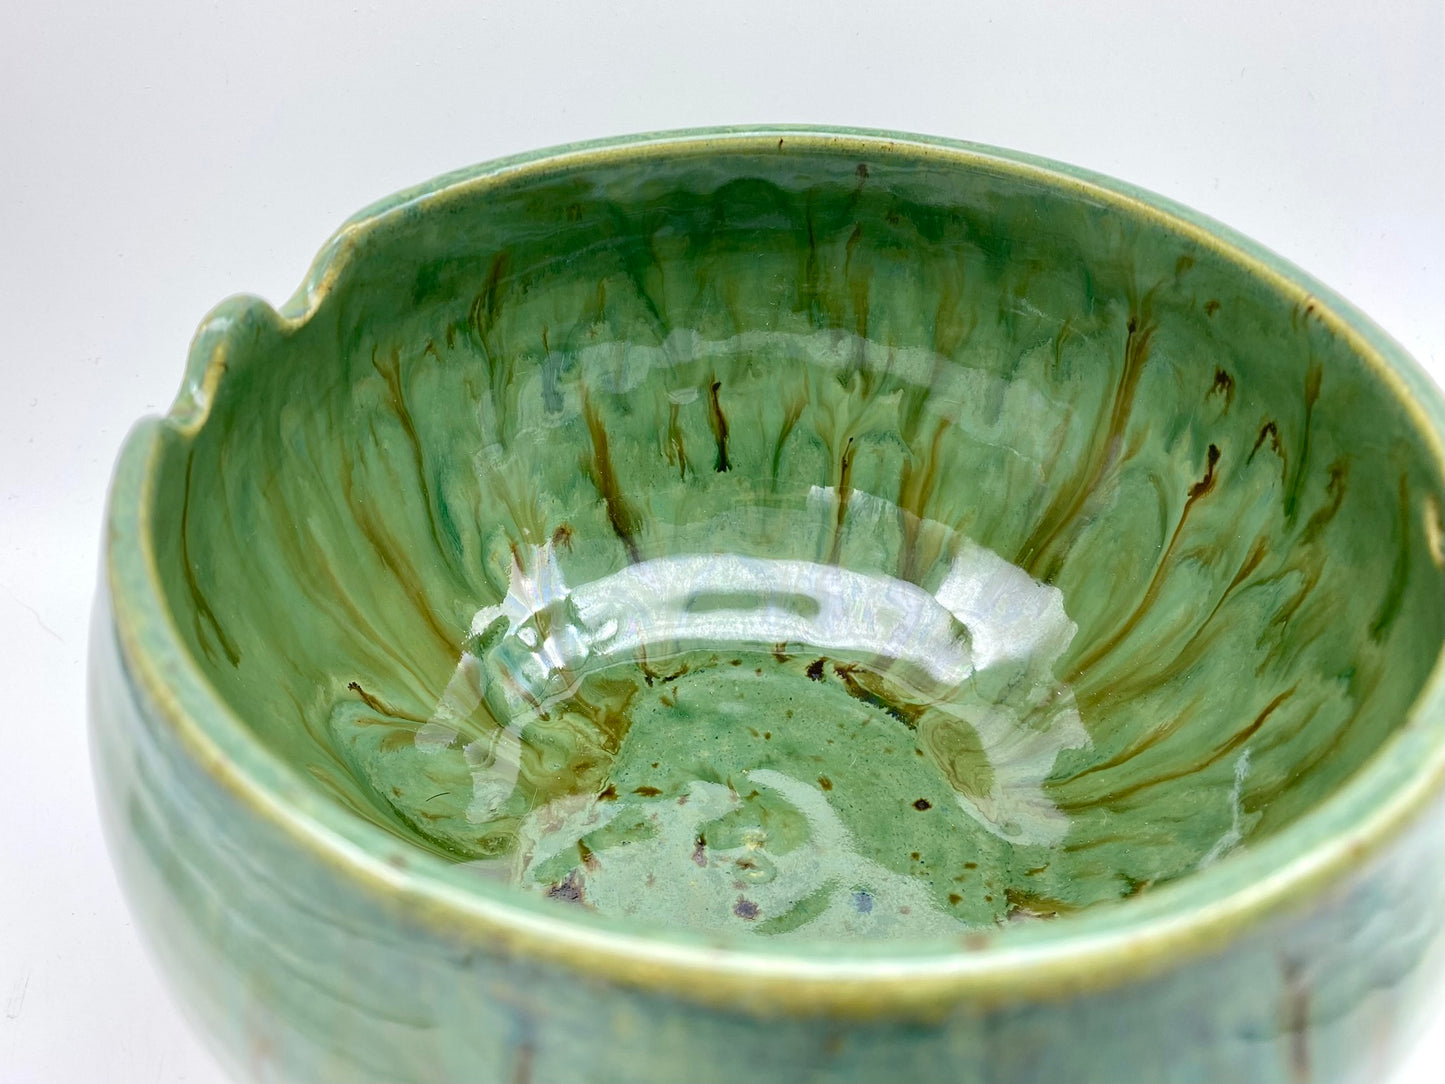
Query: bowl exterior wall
point(294, 971)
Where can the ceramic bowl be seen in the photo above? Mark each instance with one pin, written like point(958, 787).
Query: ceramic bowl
point(783, 605)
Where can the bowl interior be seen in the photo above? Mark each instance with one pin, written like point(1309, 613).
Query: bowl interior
point(807, 539)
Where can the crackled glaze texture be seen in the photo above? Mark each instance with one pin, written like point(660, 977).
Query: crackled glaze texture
point(793, 538)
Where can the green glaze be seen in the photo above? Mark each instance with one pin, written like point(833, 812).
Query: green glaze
point(705, 565)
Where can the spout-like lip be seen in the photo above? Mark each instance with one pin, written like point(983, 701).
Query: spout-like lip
point(1105, 946)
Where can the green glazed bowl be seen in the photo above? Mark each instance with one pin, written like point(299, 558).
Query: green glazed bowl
point(789, 605)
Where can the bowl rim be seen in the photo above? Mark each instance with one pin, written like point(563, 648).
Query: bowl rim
point(1102, 946)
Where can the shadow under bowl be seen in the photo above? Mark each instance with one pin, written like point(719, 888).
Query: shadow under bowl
point(783, 604)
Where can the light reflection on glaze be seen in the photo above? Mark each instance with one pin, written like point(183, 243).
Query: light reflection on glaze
point(974, 658)
point(843, 367)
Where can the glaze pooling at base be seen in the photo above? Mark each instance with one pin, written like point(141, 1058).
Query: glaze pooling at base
point(747, 406)
point(777, 746)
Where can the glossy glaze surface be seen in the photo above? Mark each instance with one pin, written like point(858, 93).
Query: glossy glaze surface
point(753, 581)
point(811, 543)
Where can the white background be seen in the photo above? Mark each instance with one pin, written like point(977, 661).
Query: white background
point(157, 156)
